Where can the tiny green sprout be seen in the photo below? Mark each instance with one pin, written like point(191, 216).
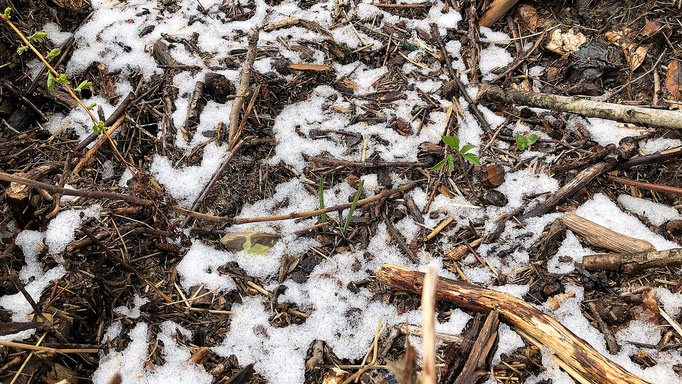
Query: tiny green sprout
point(453, 142)
point(53, 53)
point(21, 49)
point(7, 12)
point(37, 36)
point(50, 81)
point(98, 127)
point(83, 85)
point(352, 206)
point(523, 142)
point(62, 79)
point(92, 106)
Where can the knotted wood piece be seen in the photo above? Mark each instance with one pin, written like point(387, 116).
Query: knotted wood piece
point(603, 237)
point(574, 354)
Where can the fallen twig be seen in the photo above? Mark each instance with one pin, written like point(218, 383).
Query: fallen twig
point(643, 185)
point(574, 354)
point(603, 237)
point(243, 84)
point(633, 262)
point(624, 113)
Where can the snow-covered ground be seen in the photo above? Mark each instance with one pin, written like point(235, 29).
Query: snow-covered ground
point(111, 37)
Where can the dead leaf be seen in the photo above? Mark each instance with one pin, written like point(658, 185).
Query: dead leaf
point(634, 54)
point(648, 311)
point(250, 241)
point(673, 80)
point(405, 370)
point(565, 42)
point(529, 18)
point(635, 57)
point(555, 301)
point(651, 28)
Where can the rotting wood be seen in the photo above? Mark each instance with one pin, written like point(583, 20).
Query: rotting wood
point(584, 363)
point(474, 367)
point(650, 117)
point(243, 84)
point(633, 262)
point(603, 237)
point(497, 9)
point(584, 177)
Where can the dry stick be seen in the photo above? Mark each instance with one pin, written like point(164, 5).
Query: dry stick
point(569, 189)
point(462, 89)
point(633, 262)
point(521, 60)
point(243, 84)
point(215, 178)
point(6, 83)
point(497, 9)
point(624, 113)
point(137, 200)
point(577, 357)
point(31, 347)
point(126, 265)
point(643, 185)
point(653, 158)
point(603, 237)
point(611, 343)
point(249, 107)
point(400, 6)
point(118, 112)
point(399, 239)
point(428, 315)
point(373, 164)
point(91, 151)
point(473, 42)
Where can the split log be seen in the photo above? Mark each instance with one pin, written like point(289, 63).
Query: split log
point(497, 9)
point(633, 262)
point(658, 118)
point(603, 237)
point(573, 186)
point(575, 355)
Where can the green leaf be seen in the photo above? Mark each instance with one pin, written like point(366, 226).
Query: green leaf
point(62, 79)
point(50, 81)
point(37, 36)
point(98, 127)
point(439, 165)
point(467, 148)
point(521, 142)
point(407, 46)
point(320, 193)
point(352, 206)
point(21, 49)
point(532, 139)
point(451, 165)
point(83, 85)
point(7, 12)
point(91, 106)
point(472, 158)
point(53, 53)
point(451, 142)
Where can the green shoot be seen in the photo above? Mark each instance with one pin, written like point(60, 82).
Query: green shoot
point(37, 36)
point(98, 127)
point(21, 49)
point(53, 53)
point(453, 142)
point(523, 142)
point(320, 193)
point(352, 206)
point(7, 12)
point(50, 81)
point(92, 106)
point(83, 85)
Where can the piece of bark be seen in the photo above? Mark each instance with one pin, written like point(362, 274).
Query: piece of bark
point(244, 80)
point(474, 368)
point(633, 262)
point(317, 356)
point(575, 355)
point(193, 111)
point(658, 118)
point(497, 9)
point(573, 186)
point(456, 354)
point(603, 237)
point(162, 54)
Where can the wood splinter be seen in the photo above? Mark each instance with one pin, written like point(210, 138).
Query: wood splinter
point(574, 354)
point(603, 237)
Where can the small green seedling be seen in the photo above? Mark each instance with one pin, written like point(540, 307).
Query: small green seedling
point(453, 142)
point(523, 142)
point(22, 49)
point(7, 12)
point(320, 193)
point(98, 127)
point(352, 206)
point(83, 85)
point(37, 36)
point(53, 53)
